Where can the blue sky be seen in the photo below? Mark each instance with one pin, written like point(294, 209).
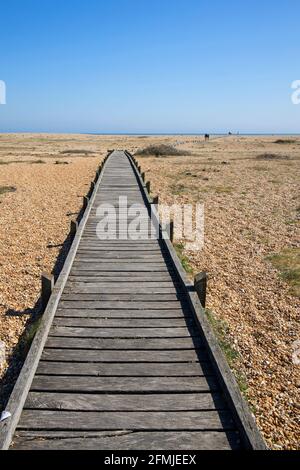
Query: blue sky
point(149, 66)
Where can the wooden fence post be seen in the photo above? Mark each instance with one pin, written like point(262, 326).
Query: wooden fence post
point(170, 230)
point(143, 176)
point(148, 186)
point(73, 228)
point(85, 202)
point(155, 200)
point(200, 283)
point(47, 287)
point(91, 188)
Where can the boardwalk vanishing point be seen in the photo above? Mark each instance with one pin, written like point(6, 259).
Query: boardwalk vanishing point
point(124, 357)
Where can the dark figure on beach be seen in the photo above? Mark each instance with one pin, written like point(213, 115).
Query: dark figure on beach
point(206, 136)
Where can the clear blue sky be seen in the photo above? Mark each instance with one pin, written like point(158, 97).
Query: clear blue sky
point(149, 66)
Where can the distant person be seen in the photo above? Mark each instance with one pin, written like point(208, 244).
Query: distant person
point(206, 137)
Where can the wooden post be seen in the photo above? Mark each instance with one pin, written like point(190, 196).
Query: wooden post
point(85, 202)
point(156, 200)
point(47, 287)
point(200, 283)
point(91, 188)
point(170, 230)
point(139, 169)
point(148, 186)
point(73, 228)
point(143, 176)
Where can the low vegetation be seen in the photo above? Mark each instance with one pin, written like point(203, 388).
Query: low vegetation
point(37, 162)
point(285, 141)
point(162, 151)
point(179, 247)
point(7, 189)
point(77, 151)
point(288, 263)
point(221, 330)
point(4, 162)
point(272, 156)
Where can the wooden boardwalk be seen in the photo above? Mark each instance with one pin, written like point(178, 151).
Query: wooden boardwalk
point(125, 363)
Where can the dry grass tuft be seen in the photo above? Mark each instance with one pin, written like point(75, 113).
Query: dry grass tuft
point(162, 151)
point(285, 141)
point(7, 189)
point(272, 156)
point(288, 263)
point(77, 152)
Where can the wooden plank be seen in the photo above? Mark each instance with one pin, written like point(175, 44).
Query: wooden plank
point(148, 298)
point(120, 267)
point(84, 322)
point(136, 369)
point(84, 384)
point(121, 288)
point(119, 305)
point(124, 344)
point(124, 440)
point(121, 402)
point(170, 420)
point(123, 275)
point(156, 261)
point(107, 254)
point(129, 314)
point(122, 332)
point(123, 280)
point(85, 355)
point(116, 288)
point(121, 249)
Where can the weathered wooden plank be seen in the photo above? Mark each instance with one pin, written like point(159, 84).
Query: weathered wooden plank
point(169, 356)
point(141, 255)
point(123, 275)
point(120, 267)
point(124, 344)
point(124, 297)
point(121, 288)
point(122, 332)
point(122, 402)
point(127, 440)
point(156, 261)
point(84, 322)
point(170, 420)
point(124, 280)
point(121, 249)
point(106, 305)
point(129, 314)
point(83, 384)
point(126, 276)
point(135, 369)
